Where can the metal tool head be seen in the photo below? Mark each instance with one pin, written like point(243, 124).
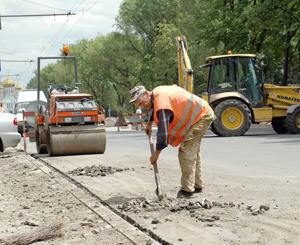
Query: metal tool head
point(159, 195)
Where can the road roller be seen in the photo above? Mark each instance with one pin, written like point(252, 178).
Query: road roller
point(71, 123)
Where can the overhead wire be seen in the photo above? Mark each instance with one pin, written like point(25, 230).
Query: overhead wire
point(25, 63)
point(92, 5)
point(79, 5)
point(45, 5)
point(49, 46)
point(75, 5)
point(72, 27)
point(80, 17)
point(75, 22)
point(56, 36)
point(11, 53)
point(48, 35)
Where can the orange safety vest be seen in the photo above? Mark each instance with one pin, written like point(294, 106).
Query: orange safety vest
point(187, 109)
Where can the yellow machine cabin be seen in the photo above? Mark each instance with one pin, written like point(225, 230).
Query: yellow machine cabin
point(238, 95)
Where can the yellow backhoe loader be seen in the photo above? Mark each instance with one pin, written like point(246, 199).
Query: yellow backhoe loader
point(237, 93)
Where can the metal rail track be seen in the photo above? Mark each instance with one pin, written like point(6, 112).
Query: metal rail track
point(125, 217)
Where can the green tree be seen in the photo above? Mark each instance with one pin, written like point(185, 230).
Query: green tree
point(267, 27)
point(157, 23)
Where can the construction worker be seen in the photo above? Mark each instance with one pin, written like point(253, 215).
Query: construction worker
point(182, 119)
point(139, 111)
point(1, 107)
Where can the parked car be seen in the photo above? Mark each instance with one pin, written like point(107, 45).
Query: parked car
point(9, 136)
point(25, 99)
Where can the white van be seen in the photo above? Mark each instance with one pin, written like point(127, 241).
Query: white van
point(25, 97)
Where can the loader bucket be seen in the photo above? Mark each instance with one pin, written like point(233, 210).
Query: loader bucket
point(73, 140)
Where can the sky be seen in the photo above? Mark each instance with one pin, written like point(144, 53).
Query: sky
point(26, 38)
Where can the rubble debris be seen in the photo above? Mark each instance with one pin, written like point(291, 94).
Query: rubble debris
point(194, 208)
point(217, 204)
point(249, 207)
point(149, 242)
point(257, 211)
point(28, 223)
point(95, 171)
point(209, 219)
point(172, 204)
point(155, 221)
point(206, 204)
point(264, 207)
point(89, 224)
point(5, 156)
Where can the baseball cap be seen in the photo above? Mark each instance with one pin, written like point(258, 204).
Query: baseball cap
point(135, 93)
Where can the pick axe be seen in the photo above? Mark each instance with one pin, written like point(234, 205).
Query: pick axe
point(158, 190)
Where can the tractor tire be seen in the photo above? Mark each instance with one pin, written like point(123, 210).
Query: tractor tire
point(40, 150)
point(212, 128)
point(233, 118)
point(279, 125)
point(293, 121)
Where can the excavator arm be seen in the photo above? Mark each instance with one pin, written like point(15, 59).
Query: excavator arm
point(185, 71)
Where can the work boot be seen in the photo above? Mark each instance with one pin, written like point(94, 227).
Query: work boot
point(184, 194)
point(198, 190)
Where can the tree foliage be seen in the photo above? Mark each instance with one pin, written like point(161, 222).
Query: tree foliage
point(267, 27)
point(143, 50)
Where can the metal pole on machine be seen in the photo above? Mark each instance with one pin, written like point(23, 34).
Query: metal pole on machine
point(39, 72)
point(38, 83)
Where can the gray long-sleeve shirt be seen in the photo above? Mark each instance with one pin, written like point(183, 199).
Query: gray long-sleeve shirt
point(165, 117)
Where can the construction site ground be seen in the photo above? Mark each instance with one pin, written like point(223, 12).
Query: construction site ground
point(110, 198)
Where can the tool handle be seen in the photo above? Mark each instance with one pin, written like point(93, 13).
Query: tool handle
point(152, 152)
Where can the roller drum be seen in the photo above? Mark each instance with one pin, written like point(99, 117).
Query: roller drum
point(72, 140)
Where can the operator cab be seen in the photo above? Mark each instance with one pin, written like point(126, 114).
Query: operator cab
point(235, 73)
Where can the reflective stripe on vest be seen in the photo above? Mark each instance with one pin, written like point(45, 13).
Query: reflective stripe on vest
point(186, 112)
point(187, 109)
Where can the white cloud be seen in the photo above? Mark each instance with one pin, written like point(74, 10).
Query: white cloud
point(28, 38)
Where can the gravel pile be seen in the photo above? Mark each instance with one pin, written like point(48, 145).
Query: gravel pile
point(173, 204)
point(196, 209)
point(95, 171)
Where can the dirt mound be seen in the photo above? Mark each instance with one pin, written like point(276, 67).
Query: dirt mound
point(95, 171)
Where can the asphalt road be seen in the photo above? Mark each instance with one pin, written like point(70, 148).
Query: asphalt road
point(260, 147)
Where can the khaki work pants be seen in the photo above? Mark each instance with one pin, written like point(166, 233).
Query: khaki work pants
point(189, 153)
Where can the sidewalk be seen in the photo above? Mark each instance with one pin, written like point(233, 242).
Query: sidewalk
point(32, 196)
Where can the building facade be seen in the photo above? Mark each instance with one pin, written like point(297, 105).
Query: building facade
point(9, 94)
